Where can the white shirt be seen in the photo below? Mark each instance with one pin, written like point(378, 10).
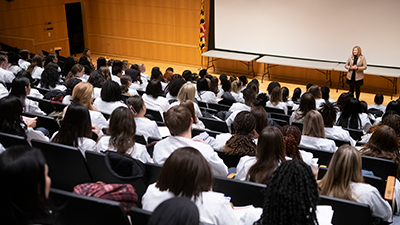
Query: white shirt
point(138, 151)
point(170, 97)
point(197, 110)
point(164, 148)
point(34, 134)
point(213, 207)
point(147, 128)
point(339, 133)
point(84, 144)
point(238, 96)
point(14, 69)
point(317, 143)
point(295, 114)
point(138, 86)
point(98, 119)
point(158, 104)
point(107, 107)
point(96, 92)
point(235, 109)
point(6, 76)
point(37, 72)
point(3, 91)
point(32, 107)
point(206, 96)
point(243, 166)
point(35, 93)
point(116, 79)
point(24, 64)
point(67, 100)
point(220, 140)
point(280, 105)
point(365, 122)
point(144, 77)
point(376, 106)
point(319, 102)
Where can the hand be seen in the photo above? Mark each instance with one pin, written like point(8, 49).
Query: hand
point(95, 129)
point(31, 122)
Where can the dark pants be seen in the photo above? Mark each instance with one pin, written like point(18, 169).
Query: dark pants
point(357, 90)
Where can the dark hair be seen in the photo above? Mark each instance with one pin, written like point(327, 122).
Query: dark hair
point(156, 74)
point(178, 119)
point(13, 58)
point(71, 84)
point(363, 107)
point(223, 77)
point(244, 80)
point(24, 53)
point(83, 60)
point(84, 53)
point(241, 142)
point(23, 193)
point(68, 64)
point(174, 86)
point(226, 85)
point(178, 210)
point(50, 78)
point(25, 73)
point(350, 116)
point(185, 173)
point(261, 100)
point(254, 85)
point(134, 74)
point(202, 85)
point(135, 67)
point(296, 95)
point(316, 91)
point(203, 73)
point(307, 103)
point(18, 88)
point(343, 98)
point(187, 75)
point(36, 61)
point(261, 117)
point(76, 124)
point(291, 196)
point(116, 67)
point(136, 102)
point(285, 94)
point(292, 138)
point(325, 92)
point(77, 68)
point(124, 87)
point(122, 130)
point(10, 116)
point(271, 86)
point(49, 58)
point(378, 99)
point(110, 92)
point(328, 112)
point(249, 94)
point(393, 105)
point(308, 86)
point(154, 88)
point(214, 84)
point(101, 61)
point(96, 79)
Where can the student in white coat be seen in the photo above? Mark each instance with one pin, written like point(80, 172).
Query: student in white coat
point(36, 67)
point(203, 93)
point(21, 87)
point(179, 122)
point(186, 173)
point(352, 117)
point(120, 136)
point(307, 103)
point(344, 180)
point(153, 97)
point(187, 93)
point(144, 126)
point(110, 98)
point(315, 90)
point(275, 100)
point(5, 75)
point(314, 133)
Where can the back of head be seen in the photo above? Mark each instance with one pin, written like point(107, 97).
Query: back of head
point(272, 85)
point(185, 173)
point(24, 53)
point(292, 137)
point(383, 143)
point(125, 79)
point(186, 92)
point(83, 94)
point(296, 94)
point(291, 195)
point(270, 153)
point(328, 112)
point(69, 62)
point(76, 124)
point(202, 85)
point(325, 92)
point(378, 99)
point(136, 67)
point(341, 102)
point(77, 68)
point(49, 78)
point(110, 92)
point(249, 95)
point(178, 210)
point(175, 85)
point(261, 117)
point(71, 85)
point(393, 105)
point(308, 86)
point(154, 88)
point(13, 58)
point(261, 100)
point(178, 120)
point(236, 86)
point(136, 102)
point(190, 105)
point(122, 129)
point(350, 114)
point(243, 79)
point(25, 73)
point(116, 67)
point(105, 72)
point(226, 85)
point(344, 167)
point(48, 59)
point(84, 61)
point(285, 94)
point(313, 125)
point(315, 90)
point(393, 121)
point(276, 96)
point(307, 103)
point(134, 74)
point(363, 107)
point(101, 61)
point(223, 77)
point(96, 79)
point(187, 75)
point(156, 74)
point(19, 86)
point(203, 73)
point(10, 116)
point(24, 197)
point(214, 84)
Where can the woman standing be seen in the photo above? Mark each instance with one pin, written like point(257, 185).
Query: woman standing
point(356, 64)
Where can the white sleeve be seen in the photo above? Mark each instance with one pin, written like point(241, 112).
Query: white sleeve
point(34, 134)
point(217, 165)
point(33, 107)
point(379, 207)
point(241, 171)
point(155, 132)
point(226, 215)
point(285, 109)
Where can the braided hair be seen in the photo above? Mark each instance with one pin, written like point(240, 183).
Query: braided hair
point(291, 196)
point(241, 142)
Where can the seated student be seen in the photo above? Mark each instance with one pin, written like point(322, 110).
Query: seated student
point(101, 61)
point(137, 83)
point(275, 100)
point(97, 80)
point(24, 198)
point(291, 196)
point(34, 92)
point(144, 77)
point(186, 173)
point(227, 97)
point(126, 82)
point(198, 124)
point(314, 133)
point(315, 90)
point(12, 122)
point(174, 87)
point(325, 94)
point(23, 61)
point(214, 85)
point(69, 62)
point(51, 80)
point(328, 112)
point(110, 98)
point(157, 75)
point(203, 93)
point(36, 67)
point(14, 68)
point(68, 92)
point(271, 87)
point(285, 94)
point(391, 119)
point(187, 93)
point(120, 136)
point(378, 103)
point(76, 129)
point(20, 88)
point(307, 103)
point(307, 87)
point(269, 154)
point(241, 141)
point(116, 71)
point(296, 96)
point(236, 91)
point(351, 116)
point(105, 72)
point(344, 180)
point(179, 122)
point(144, 126)
point(249, 96)
point(153, 97)
point(77, 71)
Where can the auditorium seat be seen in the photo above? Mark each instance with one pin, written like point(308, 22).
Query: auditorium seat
point(150, 146)
point(324, 157)
point(42, 91)
point(152, 172)
point(229, 160)
point(153, 115)
point(280, 116)
point(8, 140)
point(218, 107)
point(274, 110)
point(212, 133)
point(44, 104)
point(299, 125)
point(355, 134)
point(380, 167)
point(139, 216)
point(140, 139)
point(44, 121)
point(215, 125)
point(340, 142)
point(280, 122)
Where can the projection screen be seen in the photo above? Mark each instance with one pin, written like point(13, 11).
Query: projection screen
point(310, 29)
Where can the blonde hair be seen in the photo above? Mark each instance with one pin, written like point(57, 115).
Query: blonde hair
point(276, 96)
point(314, 124)
point(236, 86)
point(359, 51)
point(83, 94)
point(187, 92)
point(345, 167)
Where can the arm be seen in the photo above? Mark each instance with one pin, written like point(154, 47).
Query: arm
point(348, 64)
point(363, 64)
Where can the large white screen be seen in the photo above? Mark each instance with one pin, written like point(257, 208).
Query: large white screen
point(311, 29)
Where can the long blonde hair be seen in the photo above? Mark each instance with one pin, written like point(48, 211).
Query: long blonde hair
point(187, 92)
point(345, 167)
point(314, 124)
point(83, 94)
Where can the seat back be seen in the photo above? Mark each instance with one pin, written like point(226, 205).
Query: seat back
point(229, 160)
point(59, 106)
point(8, 140)
point(299, 125)
point(274, 110)
point(140, 92)
point(100, 171)
point(152, 172)
point(280, 116)
point(78, 209)
point(340, 142)
point(355, 134)
point(44, 104)
point(324, 157)
point(241, 192)
point(67, 166)
point(380, 167)
point(280, 122)
point(45, 121)
point(212, 133)
point(202, 104)
point(42, 91)
point(150, 145)
point(139, 216)
point(154, 115)
point(215, 125)
point(347, 212)
point(140, 139)
point(218, 107)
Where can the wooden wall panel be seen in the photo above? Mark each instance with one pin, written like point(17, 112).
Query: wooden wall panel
point(49, 47)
